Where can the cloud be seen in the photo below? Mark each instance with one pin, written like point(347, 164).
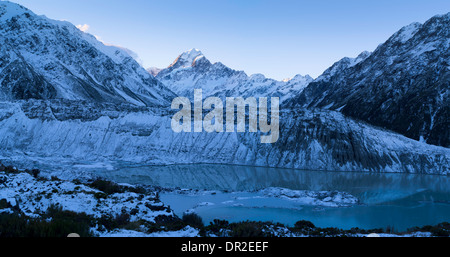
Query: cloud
point(84, 27)
point(131, 53)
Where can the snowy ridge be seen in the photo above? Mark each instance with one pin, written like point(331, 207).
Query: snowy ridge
point(77, 66)
point(341, 65)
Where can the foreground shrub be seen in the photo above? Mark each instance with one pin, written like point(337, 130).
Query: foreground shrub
point(217, 226)
point(121, 220)
point(304, 225)
point(109, 187)
point(440, 230)
point(62, 224)
point(248, 229)
point(193, 220)
point(165, 223)
point(106, 186)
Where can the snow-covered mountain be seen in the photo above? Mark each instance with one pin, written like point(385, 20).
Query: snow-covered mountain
point(403, 85)
point(45, 59)
point(192, 70)
point(47, 67)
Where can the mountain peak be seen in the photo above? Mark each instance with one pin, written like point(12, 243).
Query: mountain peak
point(193, 52)
point(187, 59)
point(154, 71)
point(364, 55)
point(300, 77)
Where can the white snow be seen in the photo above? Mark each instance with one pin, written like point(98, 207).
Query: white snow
point(186, 232)
point(317, 198)
point(407, 32)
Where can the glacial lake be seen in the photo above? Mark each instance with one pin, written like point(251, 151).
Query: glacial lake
point(231, 192)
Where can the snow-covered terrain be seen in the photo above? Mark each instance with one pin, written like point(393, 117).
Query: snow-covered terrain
point(33, 197)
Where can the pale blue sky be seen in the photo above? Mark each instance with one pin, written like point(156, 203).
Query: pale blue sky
point(278, 38)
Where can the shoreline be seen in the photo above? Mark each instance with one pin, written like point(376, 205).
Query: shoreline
point(137, 212)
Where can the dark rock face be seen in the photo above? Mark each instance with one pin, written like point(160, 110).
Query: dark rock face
point(20, 81)
point(403, 85)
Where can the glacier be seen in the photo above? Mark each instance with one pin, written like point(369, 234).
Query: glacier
point(35, 132)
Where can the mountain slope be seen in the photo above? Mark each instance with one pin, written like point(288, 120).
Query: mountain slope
point(45, 59)
point(192, 70)
point(403, 85)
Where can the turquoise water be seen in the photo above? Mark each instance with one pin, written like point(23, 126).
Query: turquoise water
point(397, 200)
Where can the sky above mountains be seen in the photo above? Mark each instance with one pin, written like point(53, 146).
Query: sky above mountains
point(277, 38)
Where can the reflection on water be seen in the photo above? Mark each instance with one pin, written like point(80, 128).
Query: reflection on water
point(399, 200)
point(367, 186)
